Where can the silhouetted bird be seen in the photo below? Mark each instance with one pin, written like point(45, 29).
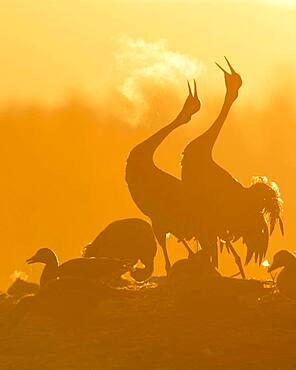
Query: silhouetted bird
point(286, 279)
point(70, 300)
point(195, 283)
point(85, 268)
point(221, 207)
point(159, 195)
point(128, 239)
point(20, 288)
point(188, 273)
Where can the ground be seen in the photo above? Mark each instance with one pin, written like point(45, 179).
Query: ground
point(149, 331)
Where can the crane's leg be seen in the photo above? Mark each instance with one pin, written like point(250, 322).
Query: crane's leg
point(161, 237)
point(237, 260)
point(190, 251)
point(209, 245)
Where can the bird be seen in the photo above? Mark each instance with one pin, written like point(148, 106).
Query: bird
point(195, 282)
point(70, 301)
point(158, 194)
point(129, 239)
point(286, 279)
point(223, 209)
point(188, 273)
point(85, 268)
point(21, 287)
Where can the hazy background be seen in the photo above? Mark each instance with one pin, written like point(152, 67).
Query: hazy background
point(83, 81)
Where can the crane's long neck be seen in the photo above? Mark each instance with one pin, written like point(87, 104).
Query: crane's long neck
point(50, 270)
point(212, 133)
point(147, 148)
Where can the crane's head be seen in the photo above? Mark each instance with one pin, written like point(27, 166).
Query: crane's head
point(233, 81)
point(192, 105)
point(266, 198)
point(43, 255)
point(282, 258)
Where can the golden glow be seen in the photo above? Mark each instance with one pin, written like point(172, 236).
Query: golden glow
point(75, 75)
point(265, 263)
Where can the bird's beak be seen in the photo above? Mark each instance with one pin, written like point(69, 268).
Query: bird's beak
point(272, 267)
point(195, 89)
point(232, 71)
point(30, 260)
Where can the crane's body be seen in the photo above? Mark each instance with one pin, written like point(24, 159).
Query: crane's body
point(159, 195)
point(223, 208)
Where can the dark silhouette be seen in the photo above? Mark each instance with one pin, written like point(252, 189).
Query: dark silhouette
point(196, 284)
point(220, 206)
point(159, 195)
point(188, 273)
point(70, 300)
point(20, 288)
point(128, 239)
point(102, 269)
point(286, 279)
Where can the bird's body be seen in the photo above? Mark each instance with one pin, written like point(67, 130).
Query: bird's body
point(196, 284)
point(69, 300)
point(102, 268)
point(190, 274)
point(286, 279)
point(20, 288)
point(222, 207)
point(286, 282)
point(129, 239)
point(210, 187)
point(146, 184)
point(159, 195)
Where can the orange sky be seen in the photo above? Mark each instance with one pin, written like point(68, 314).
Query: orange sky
point(49, 47)
point(130, 60)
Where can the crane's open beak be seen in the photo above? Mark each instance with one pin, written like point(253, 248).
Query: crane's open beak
point(229, 65)
point(195, 89)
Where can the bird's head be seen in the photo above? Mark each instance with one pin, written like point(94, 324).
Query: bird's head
point(191, 106)
point(43, 255)
point(233, 81)
point(87, 251)
point(282, 258)
point(142, 274)
point(266, 198)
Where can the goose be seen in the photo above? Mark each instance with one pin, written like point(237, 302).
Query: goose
point(286, 279)
point(128, 239)
point(70, 301)
point(104, 269)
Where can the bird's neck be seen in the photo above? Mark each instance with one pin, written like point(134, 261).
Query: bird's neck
point(50, 271)
point(146, 149)
point(212, 133)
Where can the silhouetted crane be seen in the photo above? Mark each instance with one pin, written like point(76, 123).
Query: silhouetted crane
point(159, 195)
point(221, 207)
point(127, 239)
